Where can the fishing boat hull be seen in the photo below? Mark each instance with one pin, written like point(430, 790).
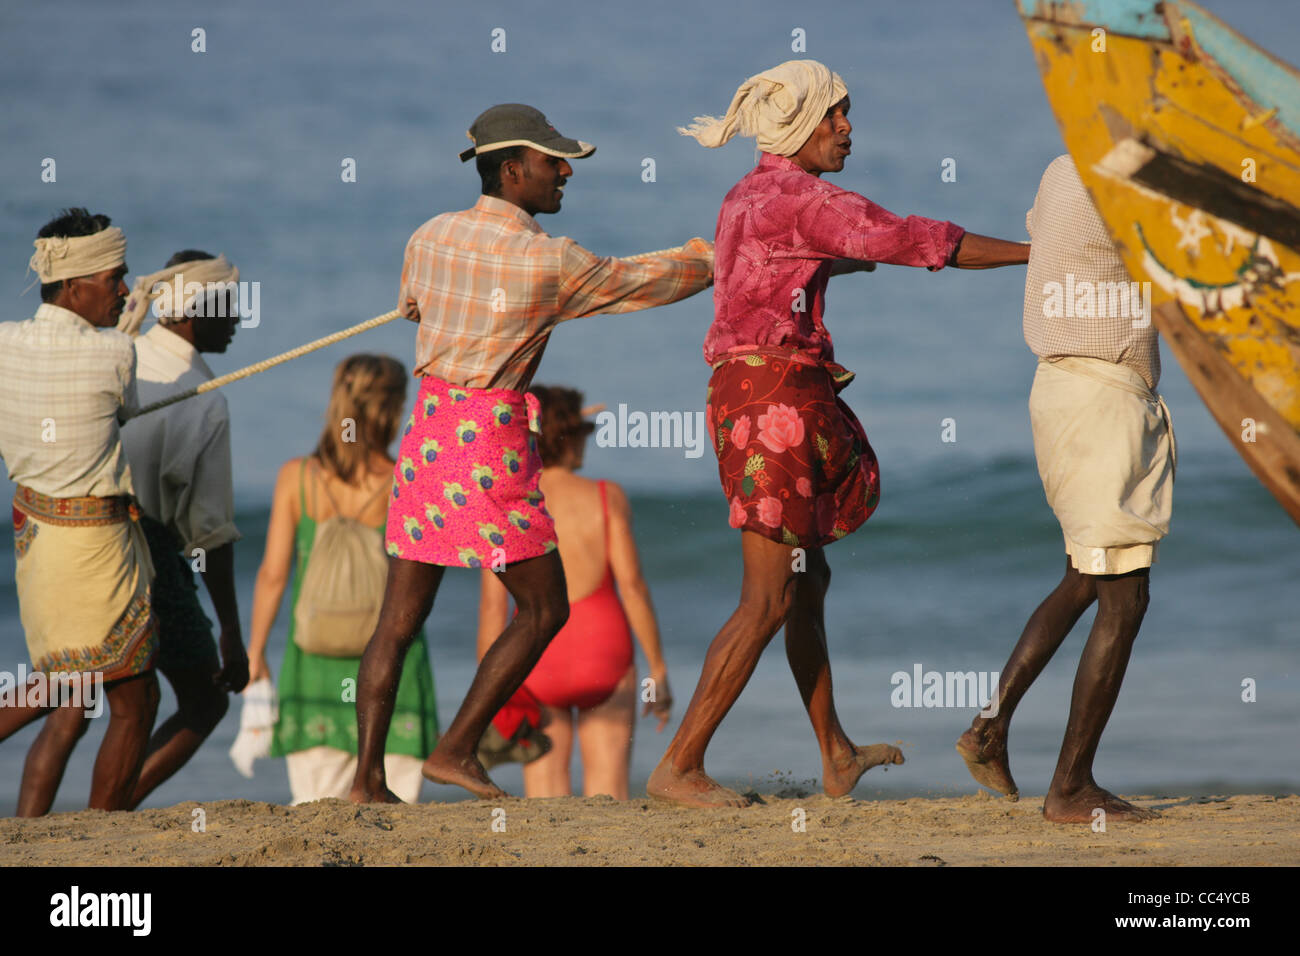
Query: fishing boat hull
point(1186, 136)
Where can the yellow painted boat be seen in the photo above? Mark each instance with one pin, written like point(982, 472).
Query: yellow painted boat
point(1187, 136)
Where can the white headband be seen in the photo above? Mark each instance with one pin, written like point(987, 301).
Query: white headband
point(68, 257)
point(170, 284)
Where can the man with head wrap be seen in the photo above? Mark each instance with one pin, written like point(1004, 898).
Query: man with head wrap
point(180, 460)
point(67, 381)
point(795, 463)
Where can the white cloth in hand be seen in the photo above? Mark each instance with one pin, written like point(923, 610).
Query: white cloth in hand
point(256, 723)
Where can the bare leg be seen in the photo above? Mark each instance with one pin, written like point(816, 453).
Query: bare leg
point(408, 598)
point(1074, 794)
point(15, 718)
point(48, 758)
point(132, 707)
point(984, 745)
point(605, 735)
point(548, 775)
point(766, 598)
point(805, 649)
point(200, 705)
point(537, 585)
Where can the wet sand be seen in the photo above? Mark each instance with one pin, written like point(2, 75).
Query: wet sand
point(599, 831)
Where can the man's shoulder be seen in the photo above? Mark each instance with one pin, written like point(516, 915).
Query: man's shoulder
point(479, 232)
point(14, 329)
point(445, 222)
point(444, 218)
point(110, 340)
point(82, 335)
point(208, 413)
point(435, 230)
point(1063, 202)
point(189, 424)
point(1061, 178)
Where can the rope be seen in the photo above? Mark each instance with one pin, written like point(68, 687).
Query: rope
point(301, 350)
point(271, 362)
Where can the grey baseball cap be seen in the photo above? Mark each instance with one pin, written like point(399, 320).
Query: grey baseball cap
point(514, 124)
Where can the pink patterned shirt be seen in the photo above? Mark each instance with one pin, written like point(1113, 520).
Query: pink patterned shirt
point(778, 231)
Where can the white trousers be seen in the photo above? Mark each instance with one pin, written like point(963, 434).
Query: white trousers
point(321, 772)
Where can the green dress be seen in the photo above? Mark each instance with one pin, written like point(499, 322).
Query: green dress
point(312, 688)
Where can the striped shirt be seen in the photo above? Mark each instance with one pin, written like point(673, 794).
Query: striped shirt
point(65, 386)
point(1079, 299)
point(492, 285)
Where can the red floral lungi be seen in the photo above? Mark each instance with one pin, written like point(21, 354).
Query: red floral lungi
point(794, 460)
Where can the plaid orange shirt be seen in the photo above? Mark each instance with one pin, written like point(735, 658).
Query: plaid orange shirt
point(491, 285)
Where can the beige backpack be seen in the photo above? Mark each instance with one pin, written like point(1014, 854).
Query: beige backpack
point(343, 588)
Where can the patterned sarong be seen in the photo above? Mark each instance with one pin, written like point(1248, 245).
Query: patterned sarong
point(794, 461)
point(83, 575)
point(465, 492)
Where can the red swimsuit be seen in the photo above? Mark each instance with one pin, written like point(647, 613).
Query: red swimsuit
point(589, 656)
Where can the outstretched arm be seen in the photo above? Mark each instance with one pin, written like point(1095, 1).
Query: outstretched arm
point(590, 284)
point(849, 226)
point(984, 252)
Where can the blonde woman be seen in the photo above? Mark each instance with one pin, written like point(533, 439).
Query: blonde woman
point(586, 677)
point(348, 475)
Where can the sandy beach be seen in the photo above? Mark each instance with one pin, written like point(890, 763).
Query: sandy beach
point(967, 831)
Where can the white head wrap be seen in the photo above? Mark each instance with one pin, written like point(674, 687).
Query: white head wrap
point(169, 285)
point(780, 107)
point(68, 257)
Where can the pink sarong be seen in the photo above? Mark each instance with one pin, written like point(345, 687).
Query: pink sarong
point(465, 490)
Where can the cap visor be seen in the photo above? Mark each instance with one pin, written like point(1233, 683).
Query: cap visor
point(565, 148)
point(562, 147)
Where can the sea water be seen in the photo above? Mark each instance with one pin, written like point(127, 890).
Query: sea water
point(239, 149)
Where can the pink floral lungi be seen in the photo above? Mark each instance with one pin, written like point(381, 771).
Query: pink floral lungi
point(465, 490)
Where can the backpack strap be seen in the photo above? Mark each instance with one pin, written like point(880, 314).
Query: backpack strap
point(320, 479)
point(382, 490)
point(302, 493)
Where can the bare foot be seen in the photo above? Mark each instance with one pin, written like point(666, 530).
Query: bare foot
point(1079, 807)
point(368, 795)
point(694, 788)
point(841, 776)
point(986, 759)
point(464, 772)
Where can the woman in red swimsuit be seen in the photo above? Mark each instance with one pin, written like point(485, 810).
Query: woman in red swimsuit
point(589, 666)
